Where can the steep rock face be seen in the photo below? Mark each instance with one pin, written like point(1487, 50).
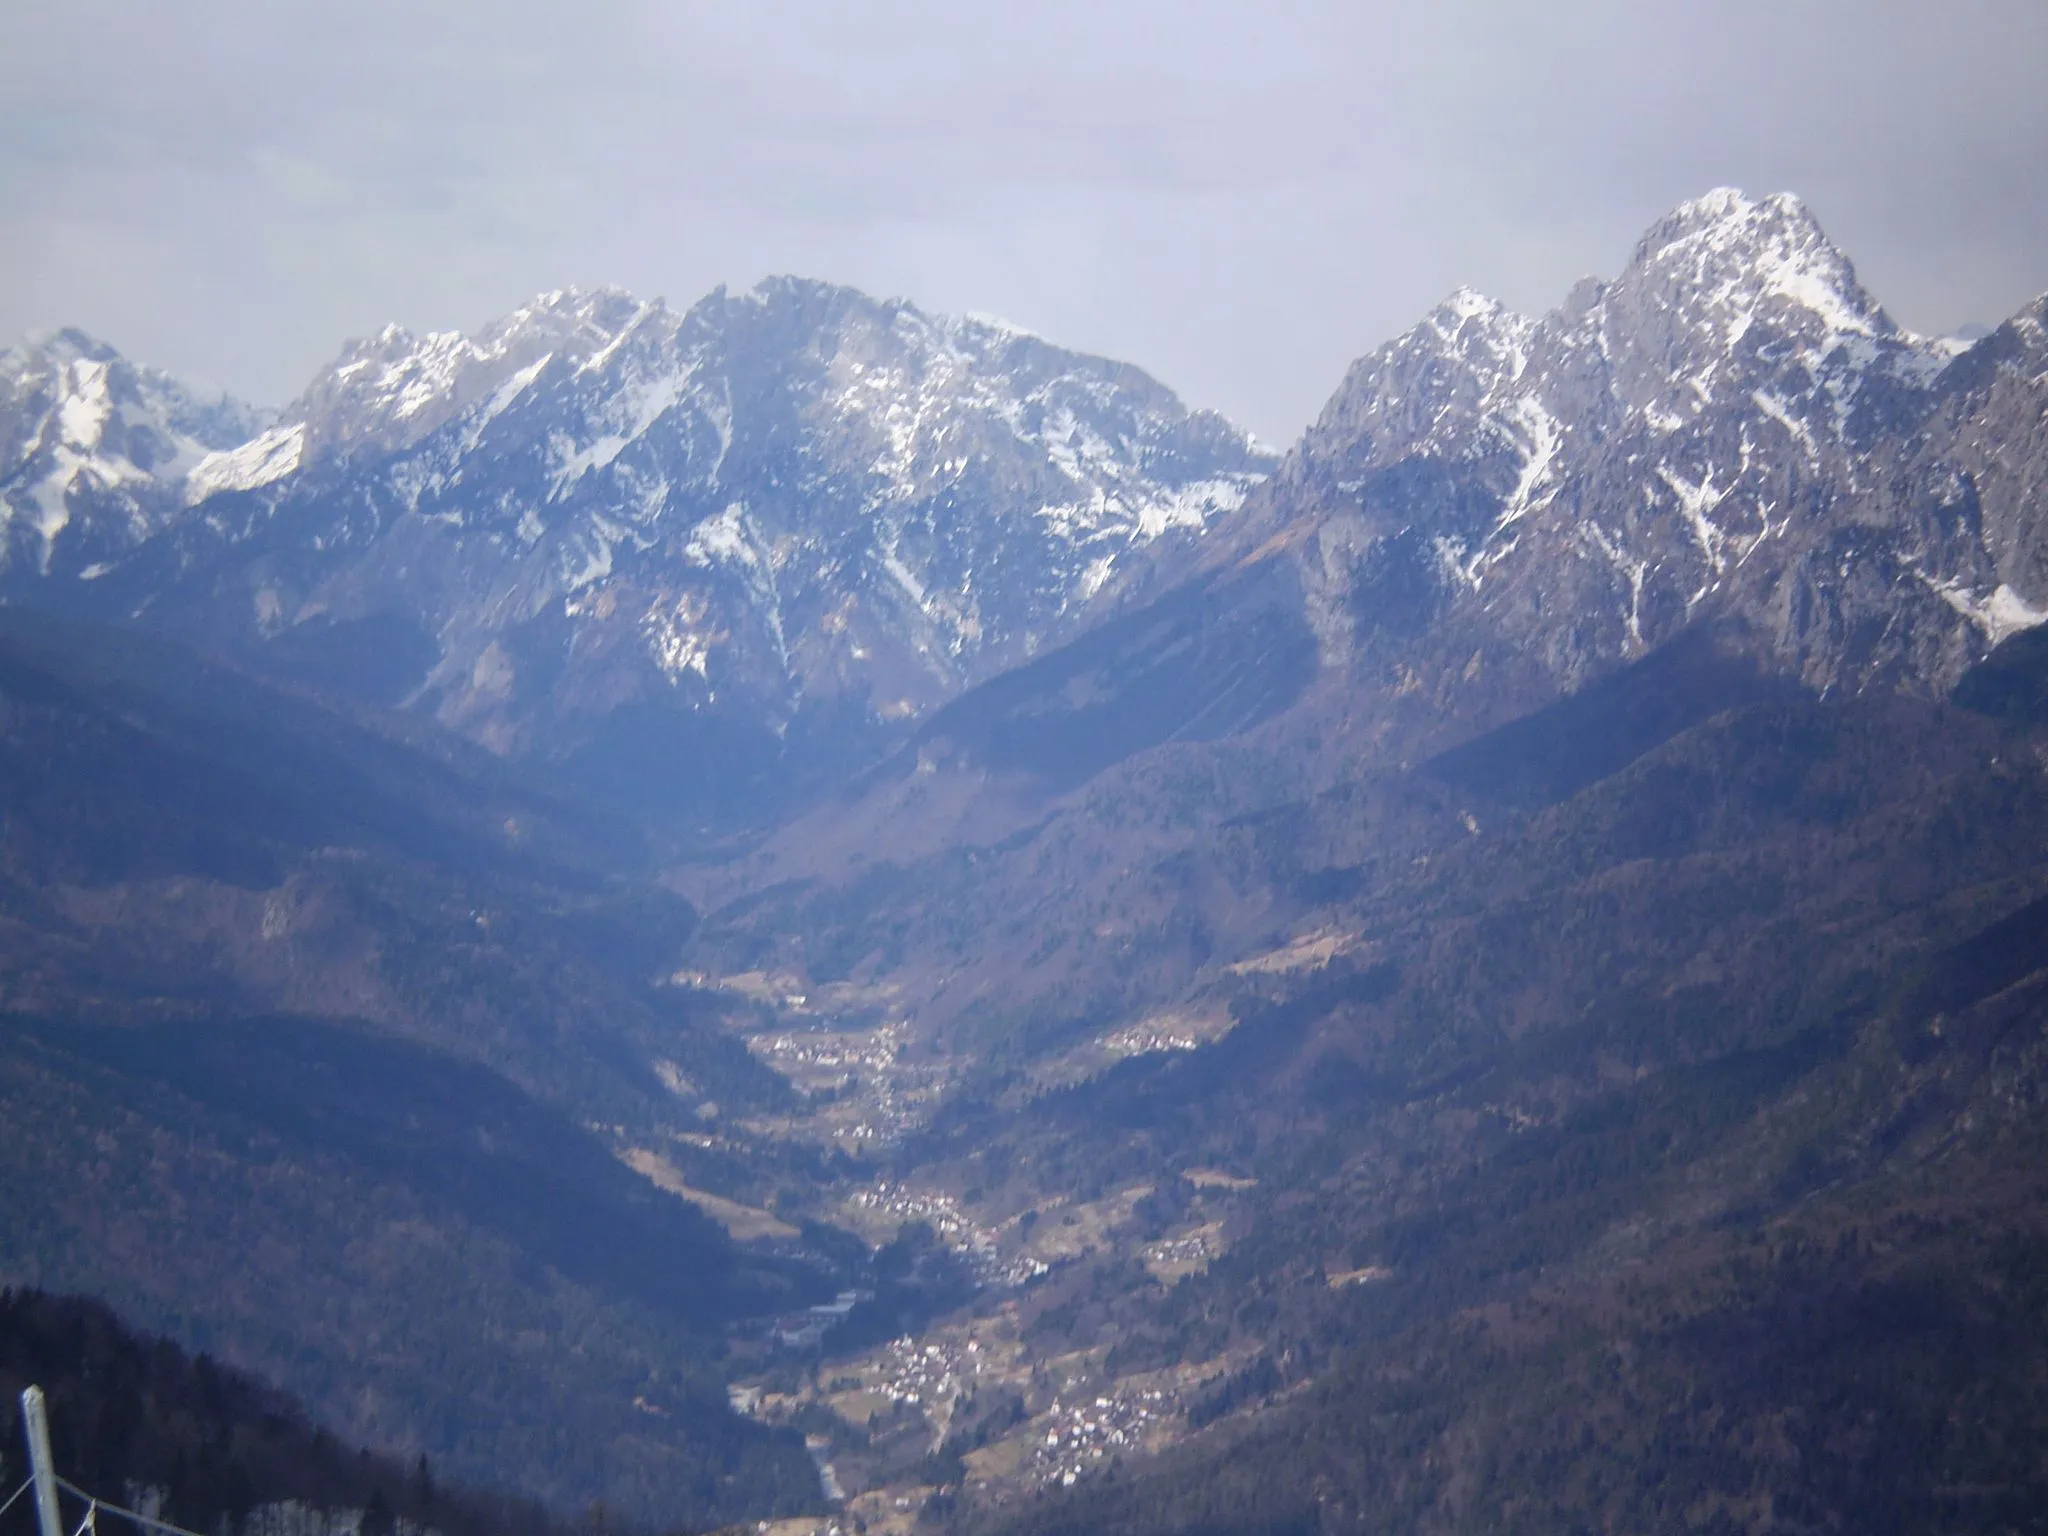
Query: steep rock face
point(604, 528)
point(1732, 428)
point(95, 455)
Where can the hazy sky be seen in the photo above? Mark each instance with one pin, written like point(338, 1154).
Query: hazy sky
point(1239, 197)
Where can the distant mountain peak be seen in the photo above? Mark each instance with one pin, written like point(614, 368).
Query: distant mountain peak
point(1722, 206)
point(1696, 436)
point(1728, 218)
point(1468, 319)
point(395, 388)
point(1734, 259)
point(71, 344)
point(1466, 303)
point(94, 450)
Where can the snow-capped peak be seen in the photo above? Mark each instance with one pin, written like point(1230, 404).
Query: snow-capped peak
point(93, 449)
point(1730, 260)
point(394, 389)
point(1482, 329)
point(1669, 439)
point(1465, 303)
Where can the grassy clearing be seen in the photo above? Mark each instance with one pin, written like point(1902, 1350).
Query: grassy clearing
point(746, 1223)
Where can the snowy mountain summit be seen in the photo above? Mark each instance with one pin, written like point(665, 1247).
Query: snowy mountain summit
point(95, 453)
point(1731, 428)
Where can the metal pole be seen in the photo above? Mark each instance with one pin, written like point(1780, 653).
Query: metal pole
point(37, 1425)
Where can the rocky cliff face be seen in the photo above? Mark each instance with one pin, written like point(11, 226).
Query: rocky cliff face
point(1731, 429)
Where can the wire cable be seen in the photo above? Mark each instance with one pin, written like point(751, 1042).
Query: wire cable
point(149, 1521)
point(24, 1488)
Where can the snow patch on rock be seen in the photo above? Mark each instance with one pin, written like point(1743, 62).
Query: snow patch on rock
point(258, 462)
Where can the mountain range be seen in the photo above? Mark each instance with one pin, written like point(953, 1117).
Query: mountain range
point(1483, 972)
point(1733, 451)
point(682, 553)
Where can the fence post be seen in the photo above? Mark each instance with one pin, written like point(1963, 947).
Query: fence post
point(37, 1426)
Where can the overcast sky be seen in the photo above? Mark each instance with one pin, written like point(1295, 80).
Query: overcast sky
point(1241, 198)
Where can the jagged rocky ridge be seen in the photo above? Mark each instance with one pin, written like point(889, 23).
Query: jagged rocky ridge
point(1731, 429)
point(603, 526)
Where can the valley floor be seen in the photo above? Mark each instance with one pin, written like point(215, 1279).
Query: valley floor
point(975, 1401)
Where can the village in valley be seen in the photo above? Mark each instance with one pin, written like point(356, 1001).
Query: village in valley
point(971, 1400)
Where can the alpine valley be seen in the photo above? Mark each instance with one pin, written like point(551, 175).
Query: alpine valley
point(801, 911)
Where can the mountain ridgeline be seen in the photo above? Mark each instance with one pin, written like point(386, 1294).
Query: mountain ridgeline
point(1486, 972)
point(688, 557)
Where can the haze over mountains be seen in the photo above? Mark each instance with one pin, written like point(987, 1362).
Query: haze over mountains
point(1282, 959)
point(605, 530)
point(602, 530)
